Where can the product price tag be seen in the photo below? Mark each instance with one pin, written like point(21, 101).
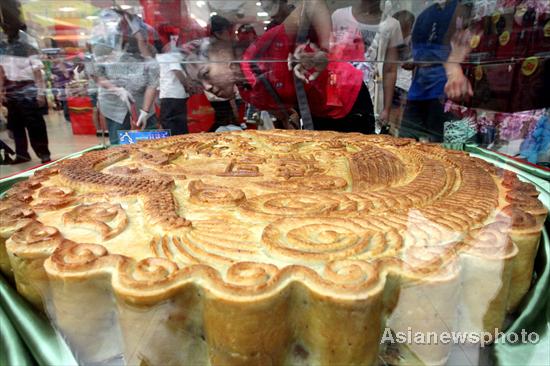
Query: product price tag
point(133, 136)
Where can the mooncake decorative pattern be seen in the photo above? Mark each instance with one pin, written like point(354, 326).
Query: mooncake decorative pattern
point(278, 227)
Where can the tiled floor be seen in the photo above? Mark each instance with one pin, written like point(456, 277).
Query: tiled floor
point(62, 142)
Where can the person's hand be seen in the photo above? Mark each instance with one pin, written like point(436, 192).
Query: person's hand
point(308, 61)
point(289, 119)
point(124, 96)
point(384, 117)
point(142, 119)
point(409, 66)
point(192, 87)
point(458, 86)
point(293, 121)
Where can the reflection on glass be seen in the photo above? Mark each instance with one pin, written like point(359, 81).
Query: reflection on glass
point(366, 66)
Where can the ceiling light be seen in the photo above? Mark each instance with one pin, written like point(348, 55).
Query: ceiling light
point(125, 7)
point(213, 13)
point(200, 4)
point(66, 9)
point(267, 21)
point(258, 4)
point(262, 14)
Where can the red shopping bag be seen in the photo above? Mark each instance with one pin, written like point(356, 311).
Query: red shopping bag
point(200, 114)
point(81, 112)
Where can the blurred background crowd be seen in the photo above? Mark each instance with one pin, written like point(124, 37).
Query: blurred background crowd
point(433, 70)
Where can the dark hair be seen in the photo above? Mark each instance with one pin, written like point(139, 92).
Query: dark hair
point(12, 19)
point(246, 28)
point(219, 24)
point(404, 17)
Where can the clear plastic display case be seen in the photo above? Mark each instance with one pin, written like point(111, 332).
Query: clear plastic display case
point(313, 182)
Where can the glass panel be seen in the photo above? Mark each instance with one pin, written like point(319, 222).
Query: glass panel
point(232, 65)
point(389, 235)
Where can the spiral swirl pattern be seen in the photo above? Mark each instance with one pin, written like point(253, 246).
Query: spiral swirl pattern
point(153, 270)
point(54, 198)
point(246, 214)
point(350, 273)
point(491, 240)
point(511, 181)
point(37, 233)
point(517, 218)
point(72, 256)
point(209, 194)
point(250, 274)
point(107, 219)
point(15, 213)
point(317, 240)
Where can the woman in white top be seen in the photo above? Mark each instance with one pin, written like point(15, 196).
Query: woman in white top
point(172, 87)
point(381, 38)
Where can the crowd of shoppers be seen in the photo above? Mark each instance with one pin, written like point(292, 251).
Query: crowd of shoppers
point(354, 64)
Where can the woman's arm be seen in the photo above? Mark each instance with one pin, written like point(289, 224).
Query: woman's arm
point(150, 95)
point(149, 98)
point(311, 61)
point(458, 37)
point(389, 78)
point(317, 13)
point(105, 83)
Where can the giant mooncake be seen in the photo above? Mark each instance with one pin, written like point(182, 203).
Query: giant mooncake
point(269, 248)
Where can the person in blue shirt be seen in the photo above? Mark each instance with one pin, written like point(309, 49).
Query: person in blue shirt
point(439, 44)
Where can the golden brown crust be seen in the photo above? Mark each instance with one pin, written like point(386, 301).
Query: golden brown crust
point(105, 218)
point(340, 221)
point(53, 198)
point(305, 206)
point(518, 219)
point(14, 213)
point(35, 238)
point(511, 182)
point(209, 194)
point(490, 241)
